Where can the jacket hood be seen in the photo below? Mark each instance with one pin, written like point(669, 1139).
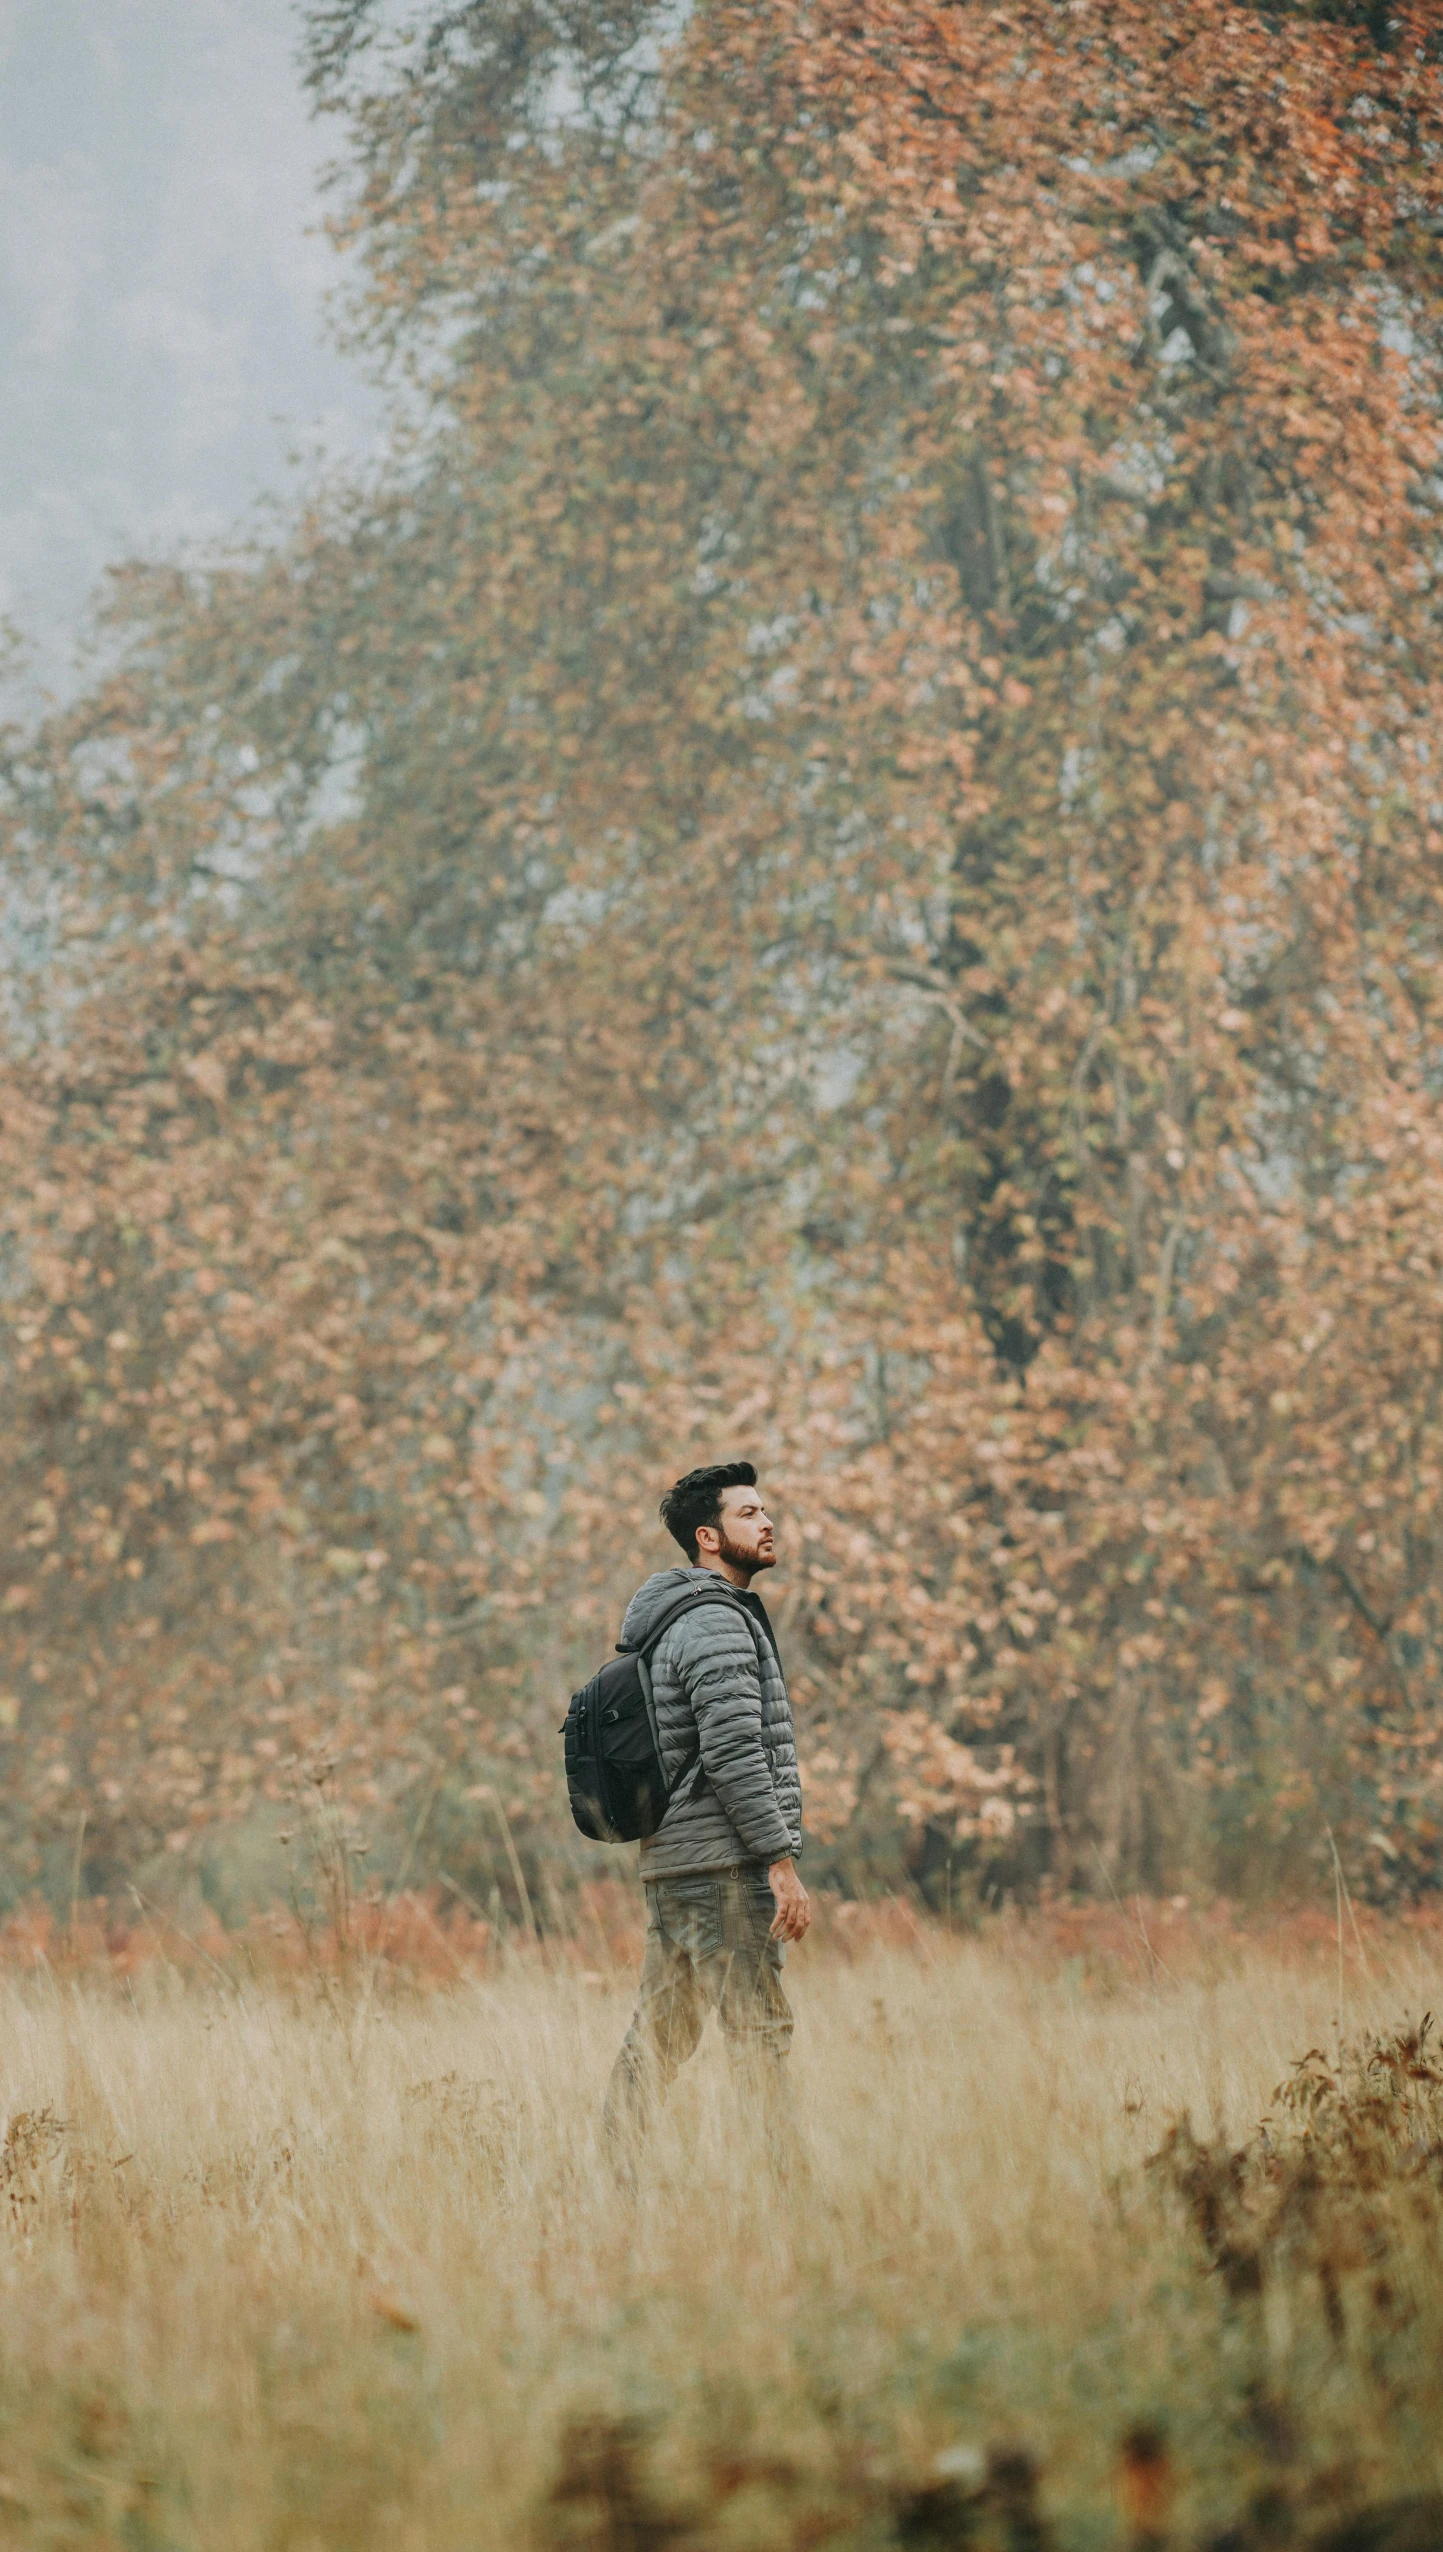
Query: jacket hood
point(657, 1596)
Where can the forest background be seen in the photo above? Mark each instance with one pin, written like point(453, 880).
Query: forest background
point(839, 857)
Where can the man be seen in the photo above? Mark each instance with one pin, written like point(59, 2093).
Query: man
point(722, 1893)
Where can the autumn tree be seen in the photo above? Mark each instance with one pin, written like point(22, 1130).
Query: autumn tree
point(840, 854)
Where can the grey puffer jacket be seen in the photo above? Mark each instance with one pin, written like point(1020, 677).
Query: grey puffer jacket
point(713, 1679)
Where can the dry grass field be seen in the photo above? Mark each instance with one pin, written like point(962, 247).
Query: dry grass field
point(330, 2260)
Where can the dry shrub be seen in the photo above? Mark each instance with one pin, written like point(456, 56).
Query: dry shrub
point(1345, 2186)
point(419, 1936)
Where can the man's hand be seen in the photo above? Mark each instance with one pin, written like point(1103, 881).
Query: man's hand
point(794, 1906)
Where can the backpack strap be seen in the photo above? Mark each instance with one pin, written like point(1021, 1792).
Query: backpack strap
point(685, 1603)
point(690, 1602)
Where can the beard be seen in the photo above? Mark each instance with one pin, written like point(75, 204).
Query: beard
point(751, 1561)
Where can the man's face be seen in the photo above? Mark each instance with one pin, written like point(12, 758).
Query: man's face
point(745, 1530)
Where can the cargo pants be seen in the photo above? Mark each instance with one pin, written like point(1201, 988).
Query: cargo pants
point(708, 1948)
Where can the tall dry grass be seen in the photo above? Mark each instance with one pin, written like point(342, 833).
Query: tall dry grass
point(336, 2264)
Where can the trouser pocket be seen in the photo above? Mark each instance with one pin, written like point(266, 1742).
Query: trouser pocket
point(690, 1914)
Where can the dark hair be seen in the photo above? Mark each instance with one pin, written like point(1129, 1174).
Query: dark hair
point(696, 1500)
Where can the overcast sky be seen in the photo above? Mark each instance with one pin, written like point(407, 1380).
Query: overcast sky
point(161, 289)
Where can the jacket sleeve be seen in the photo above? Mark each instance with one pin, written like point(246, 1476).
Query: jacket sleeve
point(716, 1658)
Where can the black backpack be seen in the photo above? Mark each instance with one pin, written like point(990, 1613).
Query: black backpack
point(614, 1778)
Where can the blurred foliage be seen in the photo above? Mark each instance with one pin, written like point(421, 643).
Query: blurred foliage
point(838, 858)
